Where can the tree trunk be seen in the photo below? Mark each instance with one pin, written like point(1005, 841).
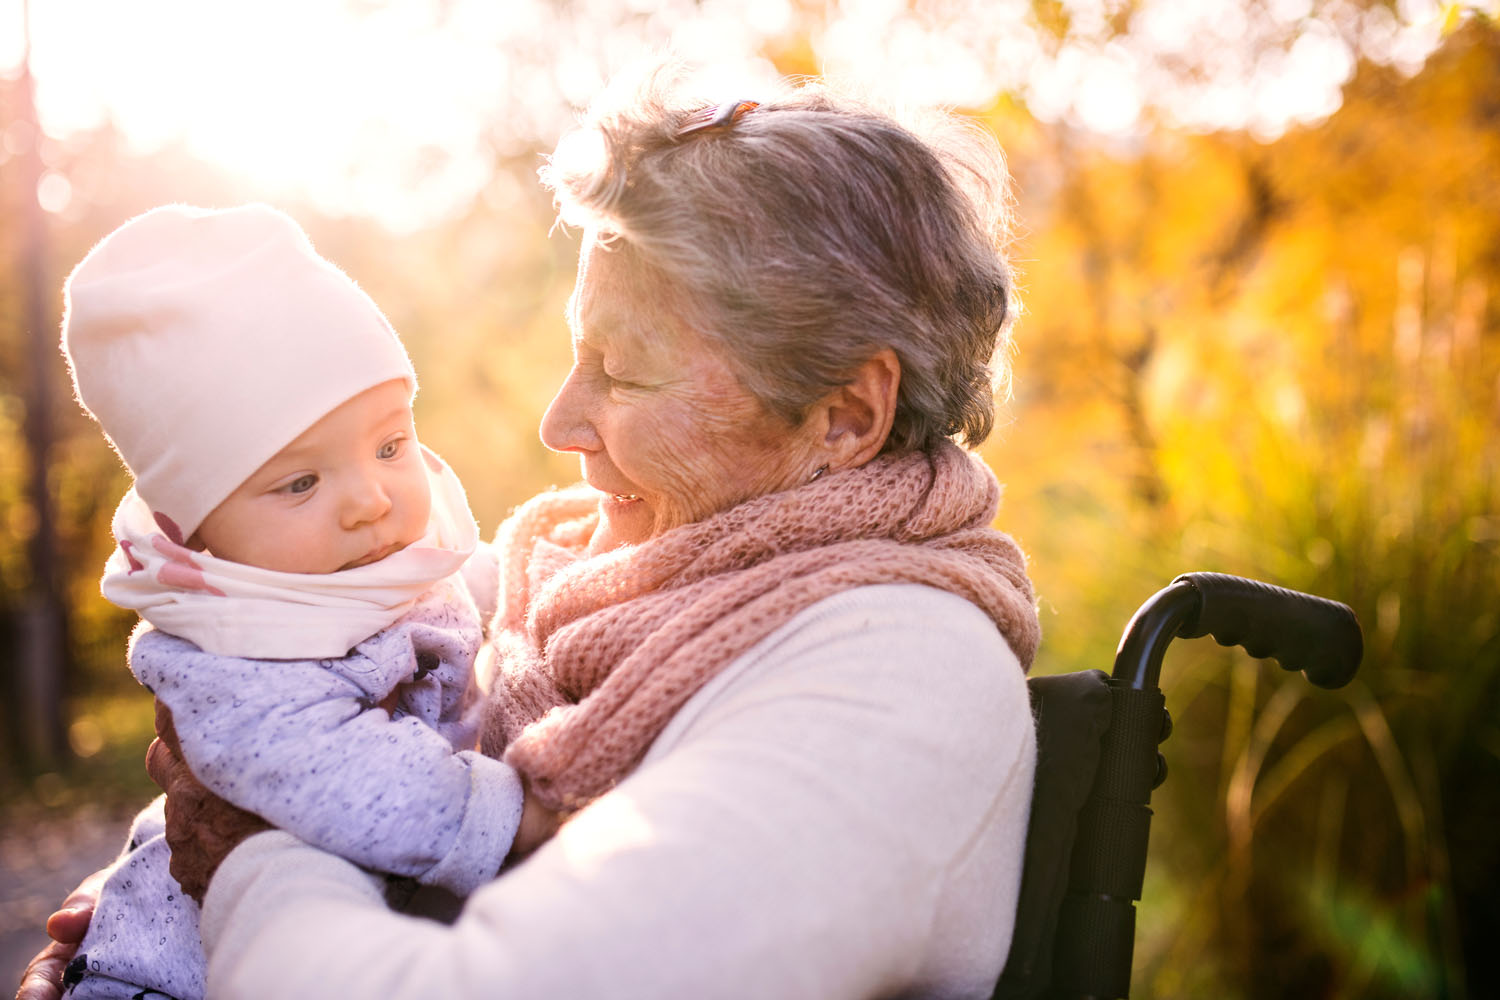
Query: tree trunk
point(40, 647)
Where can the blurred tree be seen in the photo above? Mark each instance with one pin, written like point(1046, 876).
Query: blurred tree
point(1299, 344)
point(38, 622)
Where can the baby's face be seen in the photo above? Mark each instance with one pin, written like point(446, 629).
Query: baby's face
point(351, 490)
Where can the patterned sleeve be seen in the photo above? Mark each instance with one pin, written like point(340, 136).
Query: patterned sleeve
point(310, 750)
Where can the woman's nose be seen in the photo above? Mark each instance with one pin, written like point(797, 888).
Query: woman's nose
point(566, 425)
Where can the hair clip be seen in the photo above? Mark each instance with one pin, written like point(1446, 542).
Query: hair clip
point(710, 118)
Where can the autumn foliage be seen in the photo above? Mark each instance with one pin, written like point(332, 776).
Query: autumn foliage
point(1279, 359)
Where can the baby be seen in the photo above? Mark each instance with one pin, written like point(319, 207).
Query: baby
point(301, 562)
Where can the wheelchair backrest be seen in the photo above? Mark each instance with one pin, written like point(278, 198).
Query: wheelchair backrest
point(1097, 764)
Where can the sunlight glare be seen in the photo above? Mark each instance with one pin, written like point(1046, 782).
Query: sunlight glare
point(1289, 11)
point(1109, 99)
point(398, 109)
point(1097, 85)
point(956, 54)
point(54, 192)
point(12, 37)
point(297, 95)
point(1306, 85)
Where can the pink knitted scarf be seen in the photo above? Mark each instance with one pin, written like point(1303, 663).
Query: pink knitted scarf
point(596, 654)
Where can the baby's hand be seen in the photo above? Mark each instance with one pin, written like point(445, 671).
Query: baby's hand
point(538, 824)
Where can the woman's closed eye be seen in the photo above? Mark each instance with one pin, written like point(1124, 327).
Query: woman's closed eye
point(622, 380)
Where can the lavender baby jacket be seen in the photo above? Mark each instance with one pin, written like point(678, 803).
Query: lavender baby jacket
point(310, 746)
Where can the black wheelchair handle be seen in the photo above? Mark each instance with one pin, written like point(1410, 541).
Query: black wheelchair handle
point(1317, 636)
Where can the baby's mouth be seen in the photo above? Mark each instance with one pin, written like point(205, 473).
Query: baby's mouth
point(374, 556)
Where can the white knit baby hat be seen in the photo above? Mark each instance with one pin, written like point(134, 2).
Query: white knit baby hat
point(204, 341)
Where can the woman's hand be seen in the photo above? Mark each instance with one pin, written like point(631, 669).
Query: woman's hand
point(201, 827)
point(43, 977)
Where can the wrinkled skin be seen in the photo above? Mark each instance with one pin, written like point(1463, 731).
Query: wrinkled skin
point(661, 423)
point(43, 977)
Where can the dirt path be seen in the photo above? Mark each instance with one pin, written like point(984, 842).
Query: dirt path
point(43, 855)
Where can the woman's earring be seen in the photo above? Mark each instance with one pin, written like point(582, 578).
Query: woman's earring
point(818, 473)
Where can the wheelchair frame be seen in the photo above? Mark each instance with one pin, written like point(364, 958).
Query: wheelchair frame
point(1098, 762)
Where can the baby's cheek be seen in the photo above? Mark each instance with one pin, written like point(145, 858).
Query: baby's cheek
point(418, 515)
point(295, 550)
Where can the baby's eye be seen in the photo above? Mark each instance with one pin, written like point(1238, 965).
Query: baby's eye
point(390, 449)
point(301, 484)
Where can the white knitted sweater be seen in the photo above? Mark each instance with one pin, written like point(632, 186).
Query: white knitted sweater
point(839, 814)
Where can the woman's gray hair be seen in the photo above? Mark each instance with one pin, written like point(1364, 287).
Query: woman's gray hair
point(807, 234)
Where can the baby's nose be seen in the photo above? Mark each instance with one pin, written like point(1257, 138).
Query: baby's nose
point(367, 501)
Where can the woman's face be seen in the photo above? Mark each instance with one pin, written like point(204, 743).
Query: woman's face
point(661, 424)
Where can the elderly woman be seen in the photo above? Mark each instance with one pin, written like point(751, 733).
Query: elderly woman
point(768, 659)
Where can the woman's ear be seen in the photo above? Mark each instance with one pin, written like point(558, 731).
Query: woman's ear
point(858, 415)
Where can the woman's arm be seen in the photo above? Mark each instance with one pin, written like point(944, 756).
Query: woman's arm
point(840, 814)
